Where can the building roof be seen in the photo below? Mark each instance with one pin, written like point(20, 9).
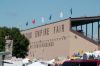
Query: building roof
point(84, 20)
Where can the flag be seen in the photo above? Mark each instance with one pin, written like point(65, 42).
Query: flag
point(42, 19)
point(71, 11)
point(61, 14)
point(33, 21)
point(26, 23)
point(50, 17)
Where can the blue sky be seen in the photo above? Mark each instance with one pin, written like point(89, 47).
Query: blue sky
point(15, 13)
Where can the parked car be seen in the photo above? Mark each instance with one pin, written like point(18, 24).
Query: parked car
point(82, 63)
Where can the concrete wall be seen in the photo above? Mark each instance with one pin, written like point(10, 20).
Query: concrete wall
point(78, 43)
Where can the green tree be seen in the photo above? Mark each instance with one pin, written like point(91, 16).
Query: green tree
point(2, 44)
point(20, 42)
point(2, 39)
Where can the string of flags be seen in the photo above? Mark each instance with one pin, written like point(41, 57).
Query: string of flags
point(33, 22)
point(61, 15)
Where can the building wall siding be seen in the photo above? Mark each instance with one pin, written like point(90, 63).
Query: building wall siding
point(78, 43)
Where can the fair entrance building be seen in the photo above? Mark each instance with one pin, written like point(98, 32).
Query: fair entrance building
point(63, 38)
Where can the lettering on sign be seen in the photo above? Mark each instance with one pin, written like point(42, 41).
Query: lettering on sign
point(46, 43)
point(46, 31)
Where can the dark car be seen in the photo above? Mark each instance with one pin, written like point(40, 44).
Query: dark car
point(82, 63)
